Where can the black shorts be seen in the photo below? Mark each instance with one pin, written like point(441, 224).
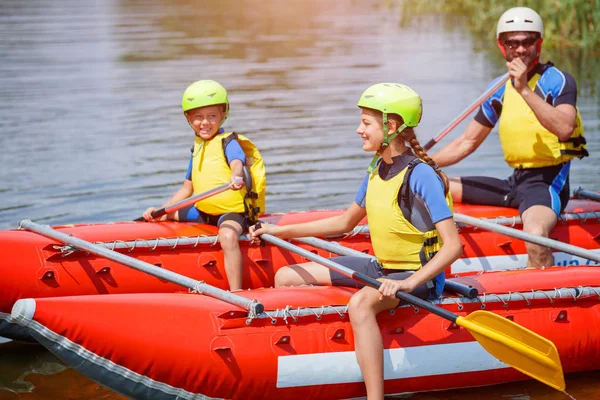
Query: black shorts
point(192, 214)
point(526, 187)
point(371, 268)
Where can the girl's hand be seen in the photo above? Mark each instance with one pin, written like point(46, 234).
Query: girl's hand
point(265, 228)
point(389, 287)
point(148, 213)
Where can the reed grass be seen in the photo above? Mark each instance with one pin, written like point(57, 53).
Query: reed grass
point(567, 23)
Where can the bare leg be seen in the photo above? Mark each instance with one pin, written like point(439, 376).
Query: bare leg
point(456, 189)
point(300, 274)
point(368, 344)
point(229, 234)
point(539, 220)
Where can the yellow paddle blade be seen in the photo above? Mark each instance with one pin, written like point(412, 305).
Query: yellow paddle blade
point(516, 346)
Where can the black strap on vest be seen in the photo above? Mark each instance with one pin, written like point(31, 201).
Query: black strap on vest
point(430, 241)
point(577, 153)
point(577, 141)
point(405, 197)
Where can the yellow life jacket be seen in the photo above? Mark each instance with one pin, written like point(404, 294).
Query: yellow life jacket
point(397, 244)
point(210, 169)
point(526, 143)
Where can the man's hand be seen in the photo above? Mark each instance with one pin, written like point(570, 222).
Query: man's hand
point(518, 72)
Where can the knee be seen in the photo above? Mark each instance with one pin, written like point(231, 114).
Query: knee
point(228, 238)
point(359, 306)
point(536, 228)
point(283, 277)
point(456, 189)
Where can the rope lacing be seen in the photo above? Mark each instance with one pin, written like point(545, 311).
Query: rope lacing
point(456, 301)
point(520, 294)
point(544, 293)
point(252, 309)
point(197, 287)
point(504, 303)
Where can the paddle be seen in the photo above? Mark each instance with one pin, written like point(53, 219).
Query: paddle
point(581, 193)
point(528, 237)
point(333, 247)
point(190, 200)
point(511, 343)
point(467, 111)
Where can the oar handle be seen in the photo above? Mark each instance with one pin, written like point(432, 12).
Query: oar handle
point(452, 124)
point(581, 193)
point(407, 297)
point(191, 200)
point(155, 214)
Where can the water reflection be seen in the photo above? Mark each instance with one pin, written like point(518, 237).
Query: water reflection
point(29, 371)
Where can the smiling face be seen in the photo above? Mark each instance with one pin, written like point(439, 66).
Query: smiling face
point(523, 45)
point(206, 121)
point(370, 129)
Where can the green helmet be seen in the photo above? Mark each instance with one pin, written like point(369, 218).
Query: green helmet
point(393, 98)
point(205, 93)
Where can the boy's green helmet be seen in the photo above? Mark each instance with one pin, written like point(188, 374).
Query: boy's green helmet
point(394, 98)
point(205, 93)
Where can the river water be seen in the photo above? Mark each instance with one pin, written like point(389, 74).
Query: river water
point(92, 131)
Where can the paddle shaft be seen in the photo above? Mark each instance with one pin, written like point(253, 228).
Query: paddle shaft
point(586, 194)
point(337, 248)
point(501, 82)
point(528, 237)
point(360, 277)
point(190, 200)
point(250, 305)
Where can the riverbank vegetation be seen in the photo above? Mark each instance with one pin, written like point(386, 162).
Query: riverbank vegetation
point(568, 23)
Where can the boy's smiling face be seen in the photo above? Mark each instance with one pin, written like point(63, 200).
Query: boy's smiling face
point(206, 121)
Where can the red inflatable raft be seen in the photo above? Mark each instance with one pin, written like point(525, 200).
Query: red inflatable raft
point(189, 346)
point(35, 266)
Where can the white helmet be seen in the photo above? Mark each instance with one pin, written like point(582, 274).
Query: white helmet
point(520, 19)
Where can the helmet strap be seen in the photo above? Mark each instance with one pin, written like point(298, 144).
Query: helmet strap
point(387, 139)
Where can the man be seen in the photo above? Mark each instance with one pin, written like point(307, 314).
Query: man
point(540, 131)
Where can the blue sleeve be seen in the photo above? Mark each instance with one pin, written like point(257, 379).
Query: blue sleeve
point(490, 110)
point(234, 151)
point(426, 184)
point(188, 174)
point(558, 87)
point(361, 196)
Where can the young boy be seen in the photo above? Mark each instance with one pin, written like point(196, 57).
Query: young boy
point(219, 157)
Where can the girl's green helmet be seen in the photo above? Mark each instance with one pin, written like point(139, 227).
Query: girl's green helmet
point(205, 93)
point(394, 98)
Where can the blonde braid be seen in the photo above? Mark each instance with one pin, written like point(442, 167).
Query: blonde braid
point(408, 135)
